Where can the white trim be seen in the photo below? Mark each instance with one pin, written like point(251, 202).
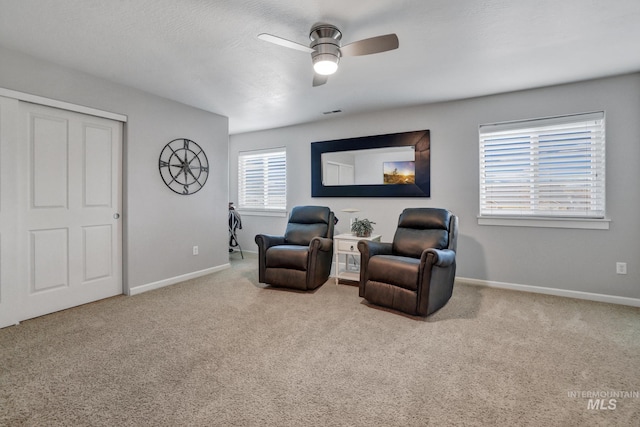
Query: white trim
point(256, 212)
point(611, 299)
point(589, 224)
point(263, 150)
point(35, 99)
point(173, 280)
point(542, 121)
point(247, 251)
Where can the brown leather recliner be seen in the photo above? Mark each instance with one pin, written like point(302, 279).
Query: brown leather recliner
point(301, 259)
point(415, 273)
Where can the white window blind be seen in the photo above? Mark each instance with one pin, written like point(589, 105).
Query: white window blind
point(553, 167)
point(262, 180)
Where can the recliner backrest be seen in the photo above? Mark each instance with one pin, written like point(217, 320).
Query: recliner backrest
point(307, 222)
point(421, 228)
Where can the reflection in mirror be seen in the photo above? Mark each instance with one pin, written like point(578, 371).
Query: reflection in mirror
point(390, 165)
point(374, 166)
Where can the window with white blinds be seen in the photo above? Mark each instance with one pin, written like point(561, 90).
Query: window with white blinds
point(262, 180)
point(552, 167)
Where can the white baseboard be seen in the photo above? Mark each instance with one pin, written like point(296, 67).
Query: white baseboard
point(612, 299)
point(173, 280)
point(247, 251)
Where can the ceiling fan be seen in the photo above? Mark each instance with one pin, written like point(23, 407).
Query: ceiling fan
point(326, 49)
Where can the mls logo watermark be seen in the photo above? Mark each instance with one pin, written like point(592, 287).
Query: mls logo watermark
point(606, 400)
point(602, 404)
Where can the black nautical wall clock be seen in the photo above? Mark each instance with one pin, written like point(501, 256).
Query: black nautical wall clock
point(183, 166)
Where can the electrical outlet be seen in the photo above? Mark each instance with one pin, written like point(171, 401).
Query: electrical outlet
point(621, 268)
point(195, 250)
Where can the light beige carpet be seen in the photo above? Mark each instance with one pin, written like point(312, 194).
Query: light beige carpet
point(223, 350)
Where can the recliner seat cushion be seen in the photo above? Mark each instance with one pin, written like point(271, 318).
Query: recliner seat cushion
point(395, 270)
point(287, 256)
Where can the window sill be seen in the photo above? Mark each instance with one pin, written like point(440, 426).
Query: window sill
point(588, 224)
point(258, 212)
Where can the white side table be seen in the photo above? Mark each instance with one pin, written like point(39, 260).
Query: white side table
point(346, 245)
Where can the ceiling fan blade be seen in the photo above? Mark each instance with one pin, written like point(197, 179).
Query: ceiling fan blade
point(372, 45)
point(284, 42)
point(319, 80)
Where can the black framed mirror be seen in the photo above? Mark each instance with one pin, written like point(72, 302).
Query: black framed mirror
point(390, 165)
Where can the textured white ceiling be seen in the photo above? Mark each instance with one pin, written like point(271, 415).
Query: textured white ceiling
point(205, 53)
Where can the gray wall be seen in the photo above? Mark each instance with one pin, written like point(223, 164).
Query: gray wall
point(568, 259)
point(160, 226)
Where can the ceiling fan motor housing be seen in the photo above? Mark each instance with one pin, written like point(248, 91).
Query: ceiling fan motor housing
point(325, 42)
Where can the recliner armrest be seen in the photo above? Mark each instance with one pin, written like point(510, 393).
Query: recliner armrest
point(368, 248)
point(443, 257)
point(265, 241)
point(321, 243)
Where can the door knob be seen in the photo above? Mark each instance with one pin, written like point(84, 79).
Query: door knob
point(116, 215)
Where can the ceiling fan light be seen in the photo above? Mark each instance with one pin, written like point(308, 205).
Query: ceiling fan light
point(325, 68)
point(325, 64)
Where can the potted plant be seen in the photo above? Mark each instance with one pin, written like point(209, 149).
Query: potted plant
point(362, 227)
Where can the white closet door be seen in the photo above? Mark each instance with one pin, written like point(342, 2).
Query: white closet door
point(9, 309)
point(68, 238)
